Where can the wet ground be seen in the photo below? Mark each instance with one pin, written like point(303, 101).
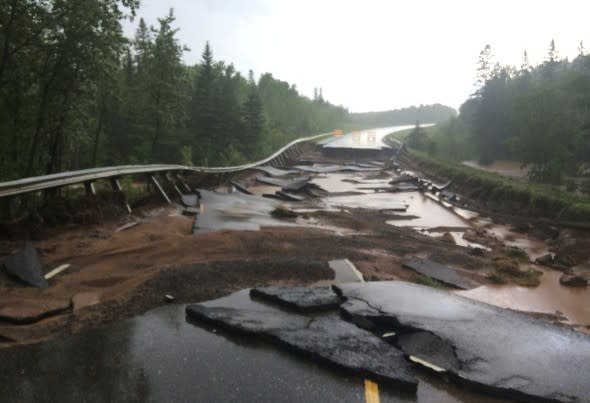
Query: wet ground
point(237, 244)
point(159, 356)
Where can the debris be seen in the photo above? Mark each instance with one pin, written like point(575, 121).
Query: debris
point(241, 187)
point(169, 298)
point(190, 200)
point(127, 226)
point(441, 273)
point(25, 265)
point(289, 196)
point(57, 270)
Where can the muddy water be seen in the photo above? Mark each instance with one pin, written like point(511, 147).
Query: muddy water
point(548, 297)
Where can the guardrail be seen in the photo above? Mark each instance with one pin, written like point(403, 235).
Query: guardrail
point(87, 176)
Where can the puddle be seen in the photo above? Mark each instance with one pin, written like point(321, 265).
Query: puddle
point(534, 247)
point(430, 213)
point(549, 296)
point(236, 211)
point(341, 182)
point(373, 201)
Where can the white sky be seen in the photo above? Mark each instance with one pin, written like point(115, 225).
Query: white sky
point(374, 54)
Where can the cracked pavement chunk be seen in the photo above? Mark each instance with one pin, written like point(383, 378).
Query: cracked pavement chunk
point(505, 351)
point(326, 337)
point(302, 299)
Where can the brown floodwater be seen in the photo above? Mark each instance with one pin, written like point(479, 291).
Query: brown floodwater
point(549, 297)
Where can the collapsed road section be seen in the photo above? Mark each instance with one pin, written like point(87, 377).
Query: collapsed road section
point(488, 348)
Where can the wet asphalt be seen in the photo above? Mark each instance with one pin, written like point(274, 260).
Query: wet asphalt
point(160, 357)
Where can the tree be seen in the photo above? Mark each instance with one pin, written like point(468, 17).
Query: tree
point(417, 138)
point(252, 118)
point(202, 111)
point(485, 68)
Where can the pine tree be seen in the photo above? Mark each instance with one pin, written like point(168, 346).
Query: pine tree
point(202, 111)
point(252, 118)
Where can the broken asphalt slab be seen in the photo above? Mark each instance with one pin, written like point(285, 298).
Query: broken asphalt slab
point(325, 338)
point(441, 273)
point(292, 183)
point(272, 171)
point(498, 350)
point(25, 266)
point(302, 299)
point(324, 169)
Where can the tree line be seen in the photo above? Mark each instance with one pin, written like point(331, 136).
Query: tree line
point(435, 113)
point(76, 93)
point(537, 115)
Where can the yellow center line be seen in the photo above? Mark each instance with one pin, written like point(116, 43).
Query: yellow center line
point(371, 392)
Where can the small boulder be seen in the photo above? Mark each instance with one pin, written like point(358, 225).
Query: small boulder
point(448, 238)
point(573, 281)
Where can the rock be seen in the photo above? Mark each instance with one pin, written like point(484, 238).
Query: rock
point(300, 298)
point(25, 266)
point(189, 200)
point(545, 259)
point(447, 237)
point(569, 280)
point(477, 252)
point(498, 350)
point(326, 338)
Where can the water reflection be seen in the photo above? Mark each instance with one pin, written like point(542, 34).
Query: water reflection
point(159, 356)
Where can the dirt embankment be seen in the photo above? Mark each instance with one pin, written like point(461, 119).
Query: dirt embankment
point(499, 198)
point(118, 274)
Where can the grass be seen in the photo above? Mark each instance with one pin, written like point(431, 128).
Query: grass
point(427, 281)
point(507, 270)
point(548, 197)
point(516, 253)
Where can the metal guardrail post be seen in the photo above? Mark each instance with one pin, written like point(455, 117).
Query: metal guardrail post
point(155, 182)
point(116, 185)
point(89, 186)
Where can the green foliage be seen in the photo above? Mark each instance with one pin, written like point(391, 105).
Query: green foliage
point(75, 93)
point(427, 281)
point(538, 116)
point(516, 253)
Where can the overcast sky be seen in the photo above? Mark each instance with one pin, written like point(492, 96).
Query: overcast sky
point(374, 54)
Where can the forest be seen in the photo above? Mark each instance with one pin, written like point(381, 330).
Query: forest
point(536, 115)
point(76, 93)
